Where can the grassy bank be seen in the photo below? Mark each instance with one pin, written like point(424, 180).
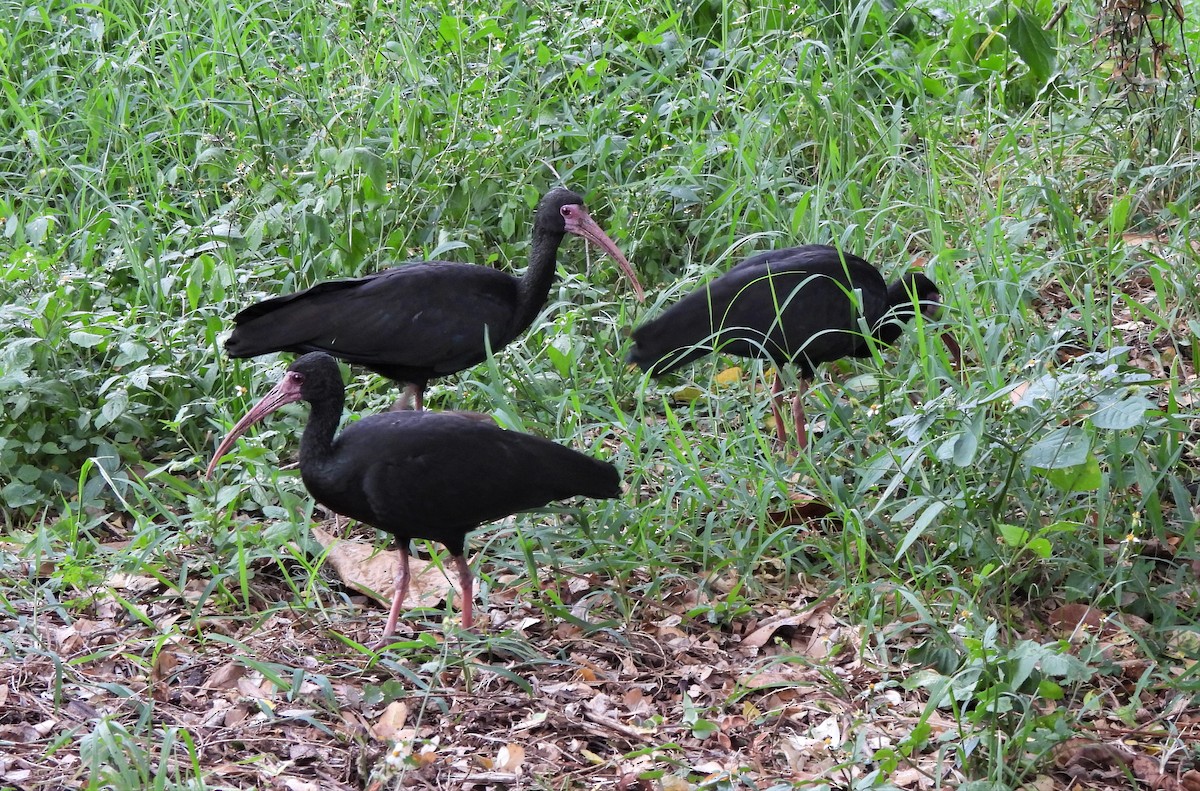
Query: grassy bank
point(1006, 568)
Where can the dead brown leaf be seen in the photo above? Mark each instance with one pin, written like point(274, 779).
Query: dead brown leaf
point(1071, 616)
point(372, 571)
point(800, 511)
point(510, 758)
point(389, 723)
point(225, 676)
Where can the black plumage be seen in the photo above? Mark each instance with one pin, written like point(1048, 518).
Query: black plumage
point(801, 306)
point(427, 475)
point(427, 319)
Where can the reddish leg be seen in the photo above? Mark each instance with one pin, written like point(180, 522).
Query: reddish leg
point(464, 577)
point(798, 415)
point(953, 347)
point(397, 598)
point(417, 394)
point(777, 411)
point(412, 398)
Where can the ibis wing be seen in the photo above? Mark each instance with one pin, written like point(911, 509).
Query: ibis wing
point(793, 304)
point(430, 314)
point(432, 475)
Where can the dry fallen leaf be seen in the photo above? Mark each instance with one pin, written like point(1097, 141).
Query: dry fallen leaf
point(1072, 616)
point(510, 758)
point(164, 665)
point(390, 721)
point(254, 685)
point(686, 394)
point(1141, 239)
point(763, 634)
point(729, 376)
point(235, 715)
point(911, 778)
point(799, 511)
point(225, 676)
point(372, 571)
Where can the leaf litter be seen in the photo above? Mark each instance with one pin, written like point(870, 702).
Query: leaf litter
point(280, 698)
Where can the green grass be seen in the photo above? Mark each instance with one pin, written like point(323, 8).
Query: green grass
point(164, 166)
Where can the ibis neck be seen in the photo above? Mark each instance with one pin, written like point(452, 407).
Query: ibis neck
point(899, 312)
point(534, 286)
point(316, 443)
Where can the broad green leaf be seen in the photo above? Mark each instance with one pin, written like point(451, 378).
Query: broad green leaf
point(28, 473)
point(863, 383)
point(965, 446)
point(451, 29)
point(131, 352)
point(85, 339)
point(17, 494)
point(655, 37)
point(923, 521)
point(35, 230)
point(1034, 45)
point(1070, 668)
point(1027, 654)
point(1117, 413)
point(1085, 477)
point(113, 408)
point(1118, 213)
point(1063, 447)
point(1049, 690)
point(559, 353)
point(1044, 388)
point(1040, 547)
point(1012, 535)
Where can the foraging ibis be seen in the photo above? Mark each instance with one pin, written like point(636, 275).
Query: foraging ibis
point(419, 474)
point(422, 320)
point(799, 305)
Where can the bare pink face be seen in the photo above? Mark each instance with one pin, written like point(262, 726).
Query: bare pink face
point(286, 392)
point(579, 222)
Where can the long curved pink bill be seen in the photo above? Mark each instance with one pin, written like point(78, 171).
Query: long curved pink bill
point(589, 229)
point(954, 349)
point(286, 392)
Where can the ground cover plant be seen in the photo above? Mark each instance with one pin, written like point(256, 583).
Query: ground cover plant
point(980, 577)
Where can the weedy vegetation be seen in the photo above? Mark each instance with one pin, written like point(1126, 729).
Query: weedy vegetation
point(982, 576)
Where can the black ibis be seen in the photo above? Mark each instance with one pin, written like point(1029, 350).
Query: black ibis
point(800, 305)
point(421, 320)
point(420, 474)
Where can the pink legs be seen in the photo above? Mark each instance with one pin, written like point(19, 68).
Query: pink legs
point(412, 398)
point(465, 582)
point(397, 598)
point(464, 578)
point(416, 393)
point(797, 413)
point(777, 411)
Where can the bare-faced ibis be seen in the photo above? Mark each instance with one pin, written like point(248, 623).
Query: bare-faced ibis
point(422, 320)
point(429, 475)
point(801, 305)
